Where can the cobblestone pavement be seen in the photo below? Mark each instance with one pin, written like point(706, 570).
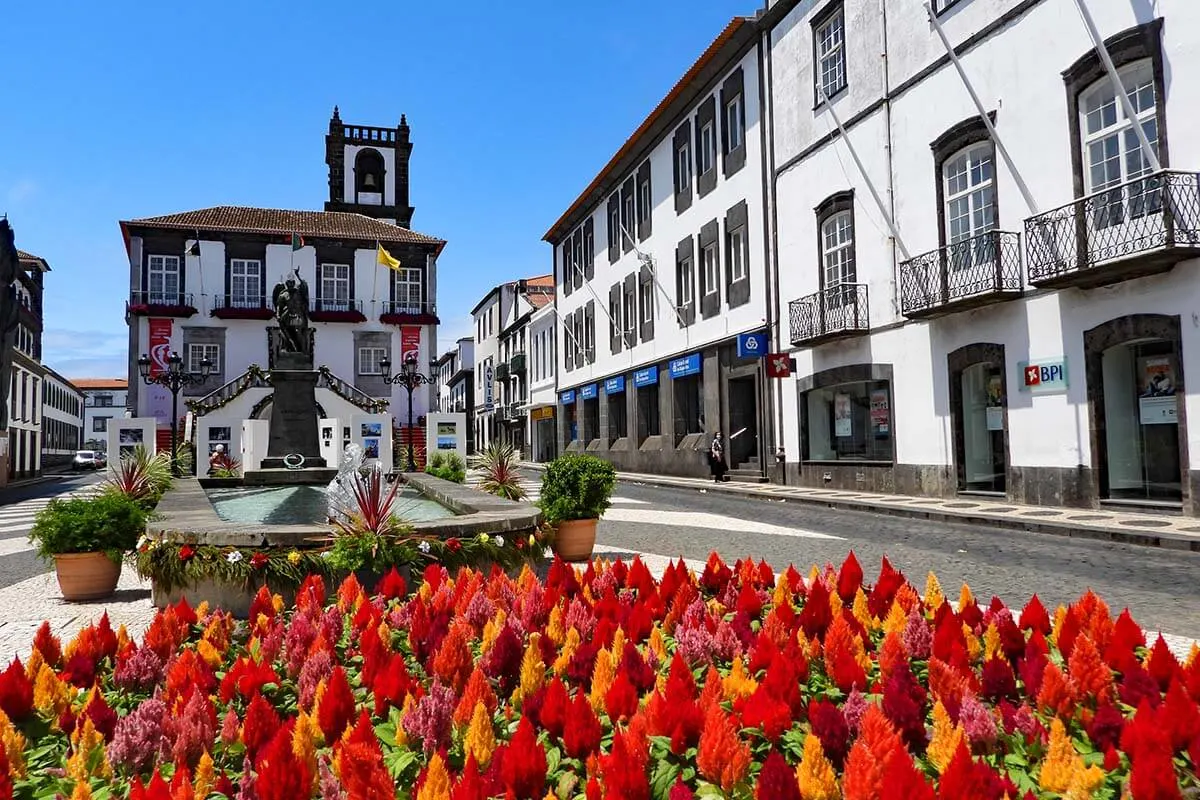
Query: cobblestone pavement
point(1161, 588)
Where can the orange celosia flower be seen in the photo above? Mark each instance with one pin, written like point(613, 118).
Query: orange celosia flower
point(480, 739)
point(34, 665)
point(1091, 677)
point(491, 630)
point(782, 594)
point(81, 791)
point(738, 683)
point(878, 739)
point(209, 653)
point(410, 703)
point(1057, 695)
point(437, 781)
point(965, 598)
point(945, 740)
point(845, 658)
point(602, 678)
point(658, 645)
point(206, 777)
point(556, 632)
point(567, 652)
point(533, 672)
point(478, 690)
point(1060, 616)
point(991, 642)
point(305, 738)
point(1063, 771)
point(454, 660)
point(862, 612)
point(722, 758)
point(974, 646)
point(88, 758)
point(907, 597)
point(895, 620)
point(891, 655)
point(50, 695)
point(815, 774)
point(13, 743)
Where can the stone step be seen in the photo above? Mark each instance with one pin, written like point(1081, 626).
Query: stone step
point(744, 475)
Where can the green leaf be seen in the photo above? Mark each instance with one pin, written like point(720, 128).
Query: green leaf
point(553, 759)
point(709, 790)
point(399, 762)
point(662, 779)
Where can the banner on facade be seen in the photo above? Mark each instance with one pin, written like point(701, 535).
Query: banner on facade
point(410, 342)
point(842, 424)
point(158, 399)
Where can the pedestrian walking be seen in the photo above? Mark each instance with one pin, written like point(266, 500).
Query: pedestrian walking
point(716, 458)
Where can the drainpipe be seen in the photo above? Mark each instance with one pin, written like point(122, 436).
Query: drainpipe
point(887, 126)
point(774, 390)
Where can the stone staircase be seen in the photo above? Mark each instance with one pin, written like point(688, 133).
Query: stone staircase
point(748, 471)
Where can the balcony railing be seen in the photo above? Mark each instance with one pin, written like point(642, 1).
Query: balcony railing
point(966, 274)
point(1140, 227)
point(326, 309)
point(404, 311)
point(501, 372)
point(232, 306)
point(516, 364)
point(832, 313)
point(165, 304)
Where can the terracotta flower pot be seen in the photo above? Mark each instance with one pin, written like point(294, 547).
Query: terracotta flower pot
point(86, 576)
point(575, 539)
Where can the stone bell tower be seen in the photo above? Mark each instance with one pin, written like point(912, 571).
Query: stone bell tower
point(368, 170)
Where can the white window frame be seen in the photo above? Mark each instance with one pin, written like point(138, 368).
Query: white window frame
point(646, 301)
point(830, 47)
point(735, 122)
point(407, 284)
point(614, 225)
point(330, 278)
point(737, 254)
point(708, 147)
point(245, 270)
point(688, 285)
point(969, 189)
point(683, 165)
point(837, 250)
point(369, 357)
point(197, 351)
point(164, 268)
point(628, 312)
point(711, 259)
point(644, 200)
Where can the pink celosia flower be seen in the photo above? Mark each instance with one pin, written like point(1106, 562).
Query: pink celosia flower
point(480, 610)
point(231, 727)
point(333, 624)
point(977, 721)
point(299, 638)
point(918, 638)
point(316, 669)
point(190, 732)
point(580, 617)
point(430, 719)
point(328, 786)
point(140, 672)
point(246, 791)
point(272, 643)
point(695, 644)
point(726, 644)
point(853, 710)
point(138, 736)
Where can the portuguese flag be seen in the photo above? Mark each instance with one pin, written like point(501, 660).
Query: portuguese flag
point(297, 242)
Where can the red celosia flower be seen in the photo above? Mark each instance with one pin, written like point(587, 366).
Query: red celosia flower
point(680, 791)
point(1105, 727)
point(1148, 745)
point(1137, 685)
point(1126, 636)
point(186, 674)
point(817, 614)
point(850, 578)
point(311, 594)
point(263, 604)
point(716, 574)
point(392, 585)
point(829, 725)
point(884, 592)
point(966, 779)
point(259, 560)
point(1179, 717)
point(841, 662)
point(391, 684)
point(903, 779)
point(16, 692)
point(246, 678)
point(47, 643)
point(6, 784)
point(904, 703)
point(470, 785)
point(337, 705)
point(763, 711)
point(260, 726)
point(998, 681)
point(722, 757)
point(1035, 618)
point(157, 789)
point(524, 767)
point(80, 670)
point(863, 776)
point(1068, 631)
point(187, 553)
point(624, 769)
point(776, 780)
point(1162, 664)
point(674, 712)
point(621, 700)
point(554, 709)
point(503, 662)
point(948, 642)
point(103, 718)
point(363, 774)
point(582, 732)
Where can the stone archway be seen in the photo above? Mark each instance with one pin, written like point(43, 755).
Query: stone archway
point(973, 357)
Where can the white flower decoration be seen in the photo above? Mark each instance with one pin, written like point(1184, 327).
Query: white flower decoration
point(499, 541)
point(233, 557)
point(548, 553)
point(424, 547)
point(326, 553)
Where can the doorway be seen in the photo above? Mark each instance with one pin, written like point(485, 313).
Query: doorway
point(1142, 423)
point(742, 436)
point(979, 409)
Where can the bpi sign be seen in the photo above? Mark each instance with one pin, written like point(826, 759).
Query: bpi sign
point(1044, 377)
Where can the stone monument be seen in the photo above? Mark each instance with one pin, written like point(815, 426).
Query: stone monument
point(293, 445)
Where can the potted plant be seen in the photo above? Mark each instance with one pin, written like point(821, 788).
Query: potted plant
point(368, 538)
point(86, 538)
point(576, 489)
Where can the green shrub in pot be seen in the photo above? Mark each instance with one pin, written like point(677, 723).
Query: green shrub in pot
point(86, 538)
point(576, 491)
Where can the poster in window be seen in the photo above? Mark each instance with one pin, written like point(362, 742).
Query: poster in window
point(371, 448)
point(881, 415)
point(995, 402)
point(447, 436)
point(842, 424)
point(1156, 391)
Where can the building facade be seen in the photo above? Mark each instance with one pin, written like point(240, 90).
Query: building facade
point(201, 284)
point(995, 299)
point(455, 382)
point(103, 399)
point(62, 420)
point(661, 265)
point(543, 398)
point(512, 370)
point(27, 374)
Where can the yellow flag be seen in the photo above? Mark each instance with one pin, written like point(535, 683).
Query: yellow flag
point(385, 258)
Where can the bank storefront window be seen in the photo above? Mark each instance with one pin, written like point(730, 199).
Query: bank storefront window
point(645, 383)
point(849, 422)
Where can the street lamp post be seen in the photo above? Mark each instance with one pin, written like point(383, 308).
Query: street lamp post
point(173, 378)
point(410, 379)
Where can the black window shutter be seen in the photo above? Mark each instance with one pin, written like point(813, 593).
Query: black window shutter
point(614, 308)
point(645, 213)
point(646, 288)
point(228, 278)
point(710, 296)
point(686, 294)
point(589, 248)
point(737, 293)
point(683, 183)
point(589, 326)
point(577, 331)
point(614, 232)
point(629, 300)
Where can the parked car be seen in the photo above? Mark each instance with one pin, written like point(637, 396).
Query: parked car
point(88, 459)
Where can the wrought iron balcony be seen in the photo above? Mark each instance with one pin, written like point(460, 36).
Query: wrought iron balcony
point(516, 364)
point(398, 312)
point(501, 373)
point(328, 309)
point(233, 306)
point(974, 272)
point(161, 304)
point(1140, 227)
point(833, 313)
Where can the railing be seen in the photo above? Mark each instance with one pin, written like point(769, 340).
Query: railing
point(516, 364)
point(253, 302)
point(987, 264)
point(837, 311)
point(408, 307)
point(1151, 213)
point(253, 378)
point(501, 372)
point(144, 298)
point(349, 392)
point(368, 133)
point(331, 304)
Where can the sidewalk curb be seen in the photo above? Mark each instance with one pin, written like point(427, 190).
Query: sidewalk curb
point(1167, 540)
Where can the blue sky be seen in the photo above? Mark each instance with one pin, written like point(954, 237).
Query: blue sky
point(125, 109)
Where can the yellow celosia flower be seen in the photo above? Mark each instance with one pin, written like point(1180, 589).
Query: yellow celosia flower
point(862, 612)
point(1060, 615)
point(437, 781)
point(1193, 655)
point(835, 604)
point(945, 740)
point(480, 739)
point(88, 758)
point(933, 593)
point(587, 594)
point(991, 641)
point(815, 774)
point(122, 637)
point(304, 740)
point(738, 683)
point(526, 580)
point(568, 651)
point(533, 672)
point(617, 647)
point(208, 653)
point(895, 620)
point(974, 647)
point(1063, 770)
point(294, 557)
point(34, 665)
point(401, 736)
point(13, 743)
point(425, 592)
point(385, 634)
point(965, 598)
point(82, 791)
point(657, 644)
point(491, 630)
point(202, 610)
point(602, 680)
point(206, 777)
point(317, 695)
point(555, 630)
point(277, 603)
point(814, 575)
point(782, 595)
point(50, 695)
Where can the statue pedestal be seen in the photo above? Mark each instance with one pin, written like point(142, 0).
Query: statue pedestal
point(293, 416)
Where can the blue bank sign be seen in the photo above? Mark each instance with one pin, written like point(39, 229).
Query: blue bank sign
point(567, 397)
point(614, 385)
point(752, 345)
point(588, 392)
point(646, 377)
point(682, 367)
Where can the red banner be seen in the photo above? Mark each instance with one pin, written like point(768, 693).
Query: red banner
point(410, 342)
point(160, 345)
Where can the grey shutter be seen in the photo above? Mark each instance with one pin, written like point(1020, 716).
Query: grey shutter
point(589, 249)
point(685, 251)
point(710, 296)
point(567, 281)
point(628, 220)
point(629, 290)
point(735, 158)
point(737, 293)
point(646, 283)
point(705, 114)
point(614, 308)
point(589, 327)
point(577, 332)
point(683, 189)
point(645, 214)
point(614, 233)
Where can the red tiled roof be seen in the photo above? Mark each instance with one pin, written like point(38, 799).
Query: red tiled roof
point(278, 222)
point(540, 280)
point(541, 299)
point(23, 256)
point(660, 111)
point(100, 383)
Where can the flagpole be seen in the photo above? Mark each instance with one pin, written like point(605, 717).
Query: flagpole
point(375, 288)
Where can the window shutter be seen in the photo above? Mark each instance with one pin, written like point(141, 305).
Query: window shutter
point(737, 293)
point(646, 279)
point(614, 305)
point(645, 215)
point(685, 294)
point(710, 296)
point(589, 248)
point(589, 326)
point(614, 232)
point(568, 282)
point(629, 300)
point(683, 184)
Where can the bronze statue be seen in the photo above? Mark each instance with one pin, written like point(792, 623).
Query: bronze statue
point(10, 268)
point(291, 310)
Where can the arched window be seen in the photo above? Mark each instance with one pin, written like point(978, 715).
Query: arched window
point(368, 171)
point(835, 243)
point(969, 192)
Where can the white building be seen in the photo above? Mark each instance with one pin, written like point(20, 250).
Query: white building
point(201, 283)
point(543, 398)
point(103, 399)
point(963, 321)
point(500, 394)
point(455, 383)
point(661, 263)
point(62, 420)
point(24, 445)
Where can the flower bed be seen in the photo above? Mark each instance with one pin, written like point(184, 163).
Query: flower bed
point(607, 683)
